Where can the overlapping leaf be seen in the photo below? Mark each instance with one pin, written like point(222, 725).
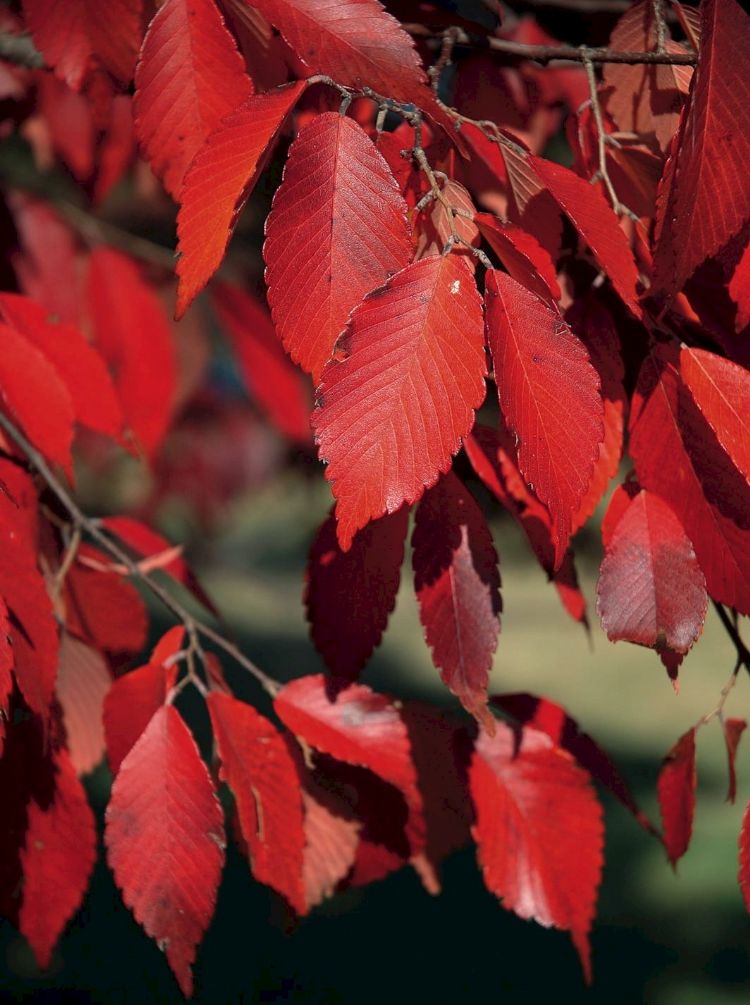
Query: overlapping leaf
point(676, 791)
point(393, 410)
point(189, 76)
point(522, 255)
point(83, 681)
point(339, 197)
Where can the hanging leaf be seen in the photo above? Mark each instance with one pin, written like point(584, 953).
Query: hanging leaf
point(549, 395)
point(339, 197)
point(83, 681)
point(457, 583)
point(394, 407)
point(258, 768)
point(676, 791)
point(350, 595)
point(733, 730)
point(539, 831)
point(189, 77)
point(165, 839)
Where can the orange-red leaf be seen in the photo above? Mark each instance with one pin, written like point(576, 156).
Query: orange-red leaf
point(258, 768)
point(83, 681)
point(165, 839)
point(676, 792)
point(219, 182)
point(457, 583)
point(709, 198)
point(189, 76)
point(539, 831)
point(349, 595)
point(651, 589)
point(337, 230)
point(549, 395)
point(393, 411)
point(721, 390)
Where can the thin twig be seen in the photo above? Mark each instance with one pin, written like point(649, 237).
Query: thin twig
point(743, 653)
point(96, 532)
point(661, 25)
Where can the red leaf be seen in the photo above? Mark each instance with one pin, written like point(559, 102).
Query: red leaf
point(165, 839)
point(539, 831)
point(26, 378)
point(73, 34)
point(189, 76)
point(618, 504)
point(339, 197)
point(331, 840)
point(721, 390)
point(393, 411)
point(596, 222)
point(744, 873)
point(678, 457)
point(349, 595)
point(708, 199)
point(83, 681)
point(102, 608)
point(6, 668)
point(733, 730)
point(457, 583)
point(270, 378)
point(78, 364)
point(564, 731)
point(676, 791)
point(56, 861)
point(651, 589)
point(134, 336)
point(739, 290)
point(360, 728)
point(434, 229)
point(525, 259)
point(258, 768)
point(549, 396)
point(219, 182)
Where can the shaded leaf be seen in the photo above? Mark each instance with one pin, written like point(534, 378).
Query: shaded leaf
point(744, 872)
point(83, 681)
point(733, 730)
point(525, 259)
point(103, 608)
point(676, 791)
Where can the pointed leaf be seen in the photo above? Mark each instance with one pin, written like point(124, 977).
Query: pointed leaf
point(258, 768)
point(189, 76)
point(83, 681)
point(676, 791)
point(721, 390)
point(457, 583)
point(349, 595)
point(219, 182)
point(165, 839)
point(393, 410)
point(651, 589)
point(339, 197)
point(708, 199)
point(539, 831)
point(56, 861)
point(733, 730)
point(549, 395)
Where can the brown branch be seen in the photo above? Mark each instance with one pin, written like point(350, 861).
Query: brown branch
point(20, 49)
point(89, 526)
point(743, 653)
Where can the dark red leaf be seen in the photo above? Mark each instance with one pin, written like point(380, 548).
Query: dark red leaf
point(165, 839)
point(83, 681)
point(539, 831)
point(189, 76)
point(6, 669)
point(549, 394)
point(394, 409)
point(522, 255)
point(258, 768)
point(744, 873)
point(349, 595)
point(676, 791)
point(721, 390)
point(708, 200)
point(219, 182)
point(56, 861)
point(733, 730)
point(272, 381)
point(457, 583)
point(339, 197)
point(651, 589)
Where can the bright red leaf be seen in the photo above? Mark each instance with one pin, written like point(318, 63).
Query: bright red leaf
point(349, 595)
point(457, 583)
point(101, 607)
point(549, 395)
point(676, 791)
point(339, 197)
point(189, 77)
point(394, 408)
point(539, 831)
point(258, 768)
point(165, 839)
point(219, 182)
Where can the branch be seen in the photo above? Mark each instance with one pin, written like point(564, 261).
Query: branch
point(743, 653)
point(86, 525)
point(20, 49)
